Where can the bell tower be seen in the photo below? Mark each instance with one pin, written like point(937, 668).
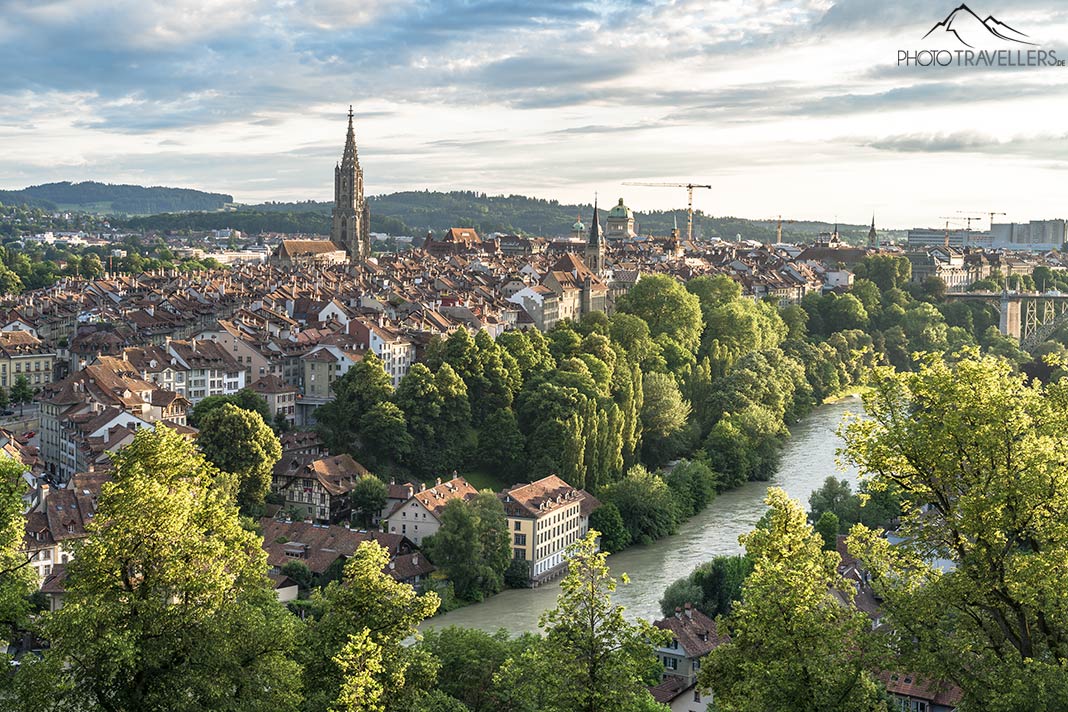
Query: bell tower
point(352, 218)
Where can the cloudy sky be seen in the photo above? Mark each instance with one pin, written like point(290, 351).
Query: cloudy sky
point(792, 107)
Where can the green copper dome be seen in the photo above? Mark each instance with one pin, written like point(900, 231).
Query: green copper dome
point(620, 211)
point(578, 226)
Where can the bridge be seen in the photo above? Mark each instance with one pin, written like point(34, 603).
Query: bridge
point(1029, 317)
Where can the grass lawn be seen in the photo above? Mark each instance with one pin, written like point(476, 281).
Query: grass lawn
point(480, 480)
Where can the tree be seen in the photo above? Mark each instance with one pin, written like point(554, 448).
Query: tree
point(665, 305)
point(792, 645)
point(369, 497)
point(21, 392)
point(693, 484)
point(238, 442)
point(418, 398)
point(167, 602)
point(354, 652)
point(978, 464)
point(645, 504)
point(664, 412)
point(827, 527)
point(712, 587)
point(501, 444)
point(4, 400)
point(614, 534)
point(245, 398)
point(384, 437)
point(363, 386)
point(469, 660)
point(592, 659)
point(16, 575)
point(836, 497)
point(472, 545)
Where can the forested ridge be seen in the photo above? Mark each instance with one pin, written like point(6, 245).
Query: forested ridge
point(410, 213)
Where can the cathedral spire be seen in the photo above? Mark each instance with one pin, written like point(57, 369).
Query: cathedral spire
point(595, 227)
point(350, 141)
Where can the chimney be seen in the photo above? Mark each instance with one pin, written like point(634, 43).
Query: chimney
point(44, 495)
point(689, 611)
point(437, 481)
point(422, 486)
point(392, 565)
point(411, 491)
point(678, 612)
point(415, 559)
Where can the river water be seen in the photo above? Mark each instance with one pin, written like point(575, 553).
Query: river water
point(808, 459)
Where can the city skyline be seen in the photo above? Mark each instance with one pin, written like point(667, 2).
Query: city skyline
point(792, 108)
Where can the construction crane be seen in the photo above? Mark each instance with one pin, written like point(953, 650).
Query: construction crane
point(955, 221)
point(989, 214)
point(689, 200)
point(779, 221)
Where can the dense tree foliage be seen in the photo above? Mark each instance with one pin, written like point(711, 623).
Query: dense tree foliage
point(473, 545)
point(16, 574)
point(592, 659)
point(167, 603)
point(353, 651)
point(976, 456)
point(241, 444)
point(793, 645)
point(245, 398)
point(712, 587)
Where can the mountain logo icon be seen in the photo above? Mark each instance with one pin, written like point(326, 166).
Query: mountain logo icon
point(970, 30)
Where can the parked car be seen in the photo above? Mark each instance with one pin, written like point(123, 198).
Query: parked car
point(7, 412)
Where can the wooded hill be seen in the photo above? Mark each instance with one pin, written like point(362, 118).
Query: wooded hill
point(108, 199)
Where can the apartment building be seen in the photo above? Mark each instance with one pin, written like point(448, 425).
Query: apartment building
point(544, 518)
point(23, 354)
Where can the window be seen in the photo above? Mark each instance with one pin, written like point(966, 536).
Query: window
point(517, 526)
point(696, 695)
point(520, 554)
point(696, 666)
point(671, 663)
point(520, 540)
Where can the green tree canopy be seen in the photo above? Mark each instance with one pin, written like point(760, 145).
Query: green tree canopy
point(976, 455)
point(793, 645)
point(167, 602)
point(239, 442)
point(592, 659)
point(354, 652)
point(369, 497)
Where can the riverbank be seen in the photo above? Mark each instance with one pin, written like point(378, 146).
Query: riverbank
point(808, 459)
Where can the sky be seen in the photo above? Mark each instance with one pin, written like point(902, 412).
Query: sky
point(790, 107)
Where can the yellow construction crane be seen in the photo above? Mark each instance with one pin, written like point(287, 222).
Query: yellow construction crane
point(689, 200)
point(954, 220)
point(969, 216)
point(780, 221)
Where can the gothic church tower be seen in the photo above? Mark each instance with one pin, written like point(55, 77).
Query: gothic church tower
point(595, 245)
point(352, 218)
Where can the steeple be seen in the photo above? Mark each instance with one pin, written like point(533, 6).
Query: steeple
point(349, 156)
point(352, 219)
point(873, 237)
point(595, 228)
point(595, 244)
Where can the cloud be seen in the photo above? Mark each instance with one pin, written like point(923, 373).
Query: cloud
point(1047, 147)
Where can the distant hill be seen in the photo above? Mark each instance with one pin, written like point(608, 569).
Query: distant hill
point(415, 212)
point(406, 213)
point(108, 199)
